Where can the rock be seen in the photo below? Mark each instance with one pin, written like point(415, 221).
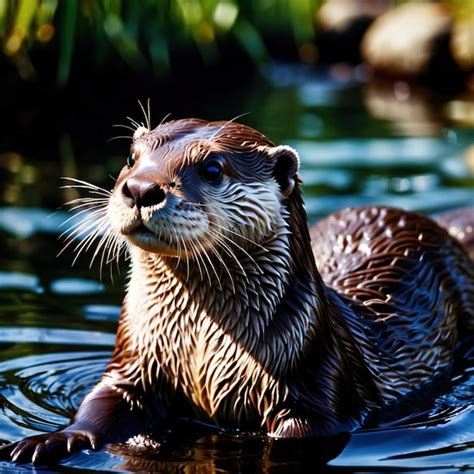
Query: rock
point(409, 40)
point(341, 25)
point(462, 43)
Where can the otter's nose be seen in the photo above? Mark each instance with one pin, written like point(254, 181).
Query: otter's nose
point(142, 193)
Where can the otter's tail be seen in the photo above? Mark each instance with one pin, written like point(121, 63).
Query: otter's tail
point(460, 224)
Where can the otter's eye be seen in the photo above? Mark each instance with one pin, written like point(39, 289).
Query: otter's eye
point(131, 160)
point(211, 171)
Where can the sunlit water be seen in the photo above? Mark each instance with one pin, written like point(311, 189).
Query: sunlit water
point(359, 144)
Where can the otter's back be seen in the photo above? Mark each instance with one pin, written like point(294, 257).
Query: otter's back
point(412, 283)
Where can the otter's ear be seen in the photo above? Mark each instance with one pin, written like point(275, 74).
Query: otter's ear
point(286, 163)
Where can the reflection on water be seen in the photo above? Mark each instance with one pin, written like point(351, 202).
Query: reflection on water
point(359, 144)
point(411, 110)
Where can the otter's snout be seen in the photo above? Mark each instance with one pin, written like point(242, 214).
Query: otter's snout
point(142, 193)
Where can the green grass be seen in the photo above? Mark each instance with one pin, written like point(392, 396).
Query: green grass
point(144, 32)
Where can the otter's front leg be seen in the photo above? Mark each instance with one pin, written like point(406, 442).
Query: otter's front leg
point(107, 414)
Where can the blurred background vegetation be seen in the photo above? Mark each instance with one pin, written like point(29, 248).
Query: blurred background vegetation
point(153, 35)
point(70, 69)
point(147, 34)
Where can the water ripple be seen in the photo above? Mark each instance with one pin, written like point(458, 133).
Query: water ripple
point(51, 336)
point(41, 392)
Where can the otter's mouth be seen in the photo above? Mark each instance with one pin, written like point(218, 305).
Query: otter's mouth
point(142, 229)
point(136, 229)
point(147, 239)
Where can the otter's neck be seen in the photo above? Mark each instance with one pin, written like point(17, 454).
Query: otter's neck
point(268, 299)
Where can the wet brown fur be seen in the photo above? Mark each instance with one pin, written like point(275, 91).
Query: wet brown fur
point(277, 340)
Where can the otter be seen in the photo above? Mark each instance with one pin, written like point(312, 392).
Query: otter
point(236, 316)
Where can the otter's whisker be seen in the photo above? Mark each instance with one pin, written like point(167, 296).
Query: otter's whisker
point(87, 200)
point(134, 122)
point(110, 257)
point(216, 235)
point(87, 227)
point(118, 137)
point(257, 266)
point(187, 257)
point(219, 257)
point(105, 258)
point(90, 203)
point(93, 225)
point(83, 213)
point(93, 192)
point(229, 252)
point(90, 219)
point(178, 245)
point(149, 113)
point(200, 257)
point(147, 116)
point(228, 123)
point(237, 234)
point(111, 248)
point(196, 256)
point(89, 239)
point(119, 125)
point(101, 246)
point(163, 120)
point(80, 229)
point(120, 247)
point(88, 211)
point(204, 253)
point(86, 185)
point(85, 243)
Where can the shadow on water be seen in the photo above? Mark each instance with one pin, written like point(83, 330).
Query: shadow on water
point(377, 143)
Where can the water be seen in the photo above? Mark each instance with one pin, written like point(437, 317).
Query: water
point(359, 144)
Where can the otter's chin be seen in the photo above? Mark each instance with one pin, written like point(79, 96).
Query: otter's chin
point(145, 239)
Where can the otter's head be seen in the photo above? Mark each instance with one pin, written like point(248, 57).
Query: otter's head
point(191, 186)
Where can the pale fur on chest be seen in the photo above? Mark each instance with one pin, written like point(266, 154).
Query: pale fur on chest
point(217, 354)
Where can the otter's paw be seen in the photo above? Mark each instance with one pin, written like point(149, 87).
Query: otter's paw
point(50, 448)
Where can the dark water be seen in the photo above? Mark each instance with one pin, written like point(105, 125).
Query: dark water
point(359, 144)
